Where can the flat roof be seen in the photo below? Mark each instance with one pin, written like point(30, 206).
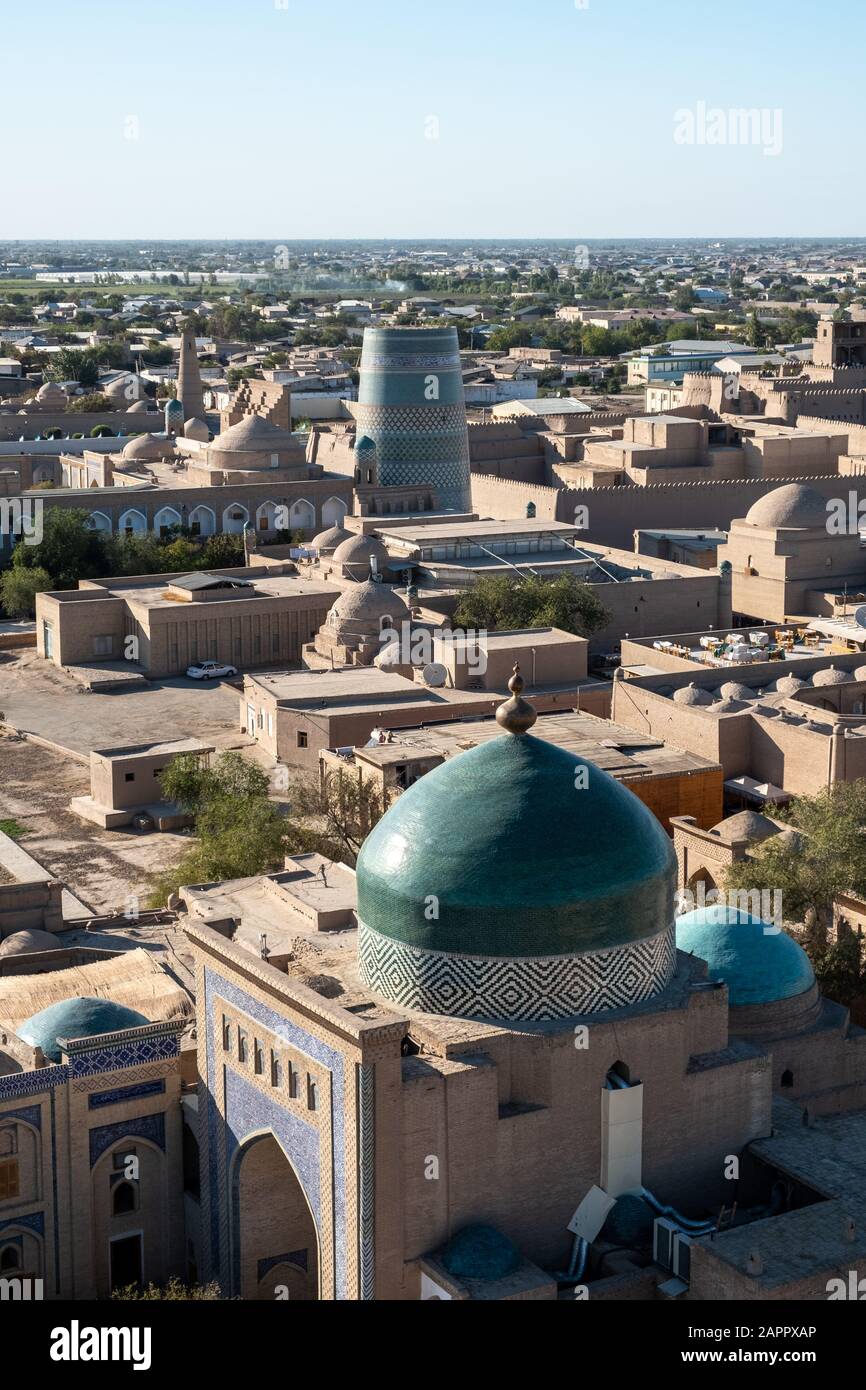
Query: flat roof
point(623, 752)
point(279, 586)
point(171, 746)
point(547, 405)
point(509, 637)
point(304, 686)
point(465, 530)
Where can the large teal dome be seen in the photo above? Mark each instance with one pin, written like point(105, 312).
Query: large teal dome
point(512, 858)
point(759, 963)
point(80, 1017)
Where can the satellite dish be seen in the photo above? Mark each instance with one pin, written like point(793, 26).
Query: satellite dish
point(860, 615)
point(435, 674)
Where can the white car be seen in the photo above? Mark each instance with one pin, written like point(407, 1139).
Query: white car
point(210, 670)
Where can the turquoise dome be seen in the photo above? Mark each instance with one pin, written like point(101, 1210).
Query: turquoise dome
point(81, 1017)
point(516, 848)
point(759, 963)
point(480, 1252)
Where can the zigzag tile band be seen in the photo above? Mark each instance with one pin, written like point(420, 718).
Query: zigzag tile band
point(516, 989)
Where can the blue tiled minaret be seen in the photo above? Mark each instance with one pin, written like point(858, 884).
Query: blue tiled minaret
point(411, 406)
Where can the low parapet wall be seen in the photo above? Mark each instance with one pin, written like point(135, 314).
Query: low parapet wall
point(615, 513)
point(80, 422)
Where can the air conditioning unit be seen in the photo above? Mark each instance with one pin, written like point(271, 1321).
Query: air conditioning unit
point(682, 1255)
point(664, 1235)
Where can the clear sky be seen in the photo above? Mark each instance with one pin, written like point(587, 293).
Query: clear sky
point(430, 118)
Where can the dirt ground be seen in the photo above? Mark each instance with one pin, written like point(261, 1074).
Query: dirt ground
point(104, 868)
point(38, 697)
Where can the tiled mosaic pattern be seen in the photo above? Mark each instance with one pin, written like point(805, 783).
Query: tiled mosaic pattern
point(237, 1109)
point(122, 1093)
point(151, 1127)
point(133, 1053)
point(518, 989)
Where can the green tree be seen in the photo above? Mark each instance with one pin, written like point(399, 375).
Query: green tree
point(91, 403)
point(173, 1291)
point(840, 969)
point(223, 552)
point(514, 335)
point(827, 858)
point(70, 549)
point(239, 830)
point(333, 815)
point(70, 364)
point(504, 601)
point(134, 554)
point(180, 553)
point(18, 590)
point(756, 335)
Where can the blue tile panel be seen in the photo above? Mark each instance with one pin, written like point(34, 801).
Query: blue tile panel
point(249, 1110)
point(32, 1083)
point(150, 1127)
point(34, 1221)
point(122, 1093)
point(30, 1114)
point(118, 1056)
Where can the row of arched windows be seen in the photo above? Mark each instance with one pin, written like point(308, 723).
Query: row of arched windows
point(202, 520)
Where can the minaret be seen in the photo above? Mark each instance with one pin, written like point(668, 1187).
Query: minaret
point(189, 389)
point(412, 407)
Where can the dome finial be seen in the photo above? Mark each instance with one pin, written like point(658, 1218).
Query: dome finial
point(516, 715)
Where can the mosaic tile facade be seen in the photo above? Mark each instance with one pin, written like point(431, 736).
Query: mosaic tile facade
point(238, 1108)
point(151, 1127)
point(153, 1046)
point(30, 1114)
point(122, 1093)
point(33, 1221)
point(518, 989)
point(32, 1083)
point(411, 404)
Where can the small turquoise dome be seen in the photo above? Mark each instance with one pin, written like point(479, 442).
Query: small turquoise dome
point(365, 446)
point(516, 848)
point(81, 1017)
point(480, 1252)
point(759, 963)
point(174, 406)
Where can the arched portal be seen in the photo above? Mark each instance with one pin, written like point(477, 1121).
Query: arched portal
point(333, 513)
point(267, 517)
point(302, 515)
point(275, 1243)
point(202, 521)
point(235, 518)
point(701, 890)
point(166, 519)
point(132, 523)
